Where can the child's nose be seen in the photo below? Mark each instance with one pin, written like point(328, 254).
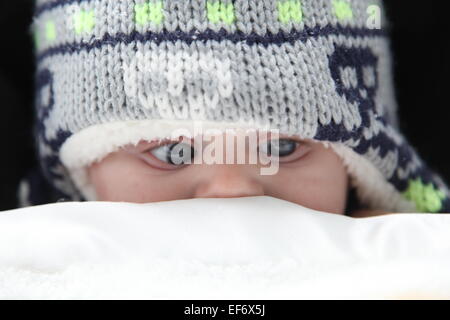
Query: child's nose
point(229, 181)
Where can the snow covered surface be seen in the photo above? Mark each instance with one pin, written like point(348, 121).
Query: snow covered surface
point(237, 248)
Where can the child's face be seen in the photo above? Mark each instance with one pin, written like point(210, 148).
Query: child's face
point(308, 174)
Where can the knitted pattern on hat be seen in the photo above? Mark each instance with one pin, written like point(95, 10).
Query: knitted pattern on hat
point(111, 73)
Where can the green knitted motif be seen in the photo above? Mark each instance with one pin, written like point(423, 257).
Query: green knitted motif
point(219, 11)
point(343, 10)
point(84, 21)
point(426, 197)
point(290, 10)
point(149, 12)
point(50, 31)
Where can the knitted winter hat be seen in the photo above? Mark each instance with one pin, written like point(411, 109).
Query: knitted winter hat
point(111, 73)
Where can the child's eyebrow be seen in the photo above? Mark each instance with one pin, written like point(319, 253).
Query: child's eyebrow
point(146, 144)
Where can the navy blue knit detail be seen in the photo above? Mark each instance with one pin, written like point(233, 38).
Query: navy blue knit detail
point(48, 162)
point(445, 206)
point(44, 79)
point(52, 161)
point(364, 95)
point(40, 190)
point(210, 35)
point(355, 58)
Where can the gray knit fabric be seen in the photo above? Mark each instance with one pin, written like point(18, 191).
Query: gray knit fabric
point(317, 68)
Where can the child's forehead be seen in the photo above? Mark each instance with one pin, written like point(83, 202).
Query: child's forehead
point(227, 134)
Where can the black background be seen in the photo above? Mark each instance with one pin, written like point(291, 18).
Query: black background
point(419, 32)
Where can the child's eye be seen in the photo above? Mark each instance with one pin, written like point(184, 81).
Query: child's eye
point(176, 154)
point(287, 149)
